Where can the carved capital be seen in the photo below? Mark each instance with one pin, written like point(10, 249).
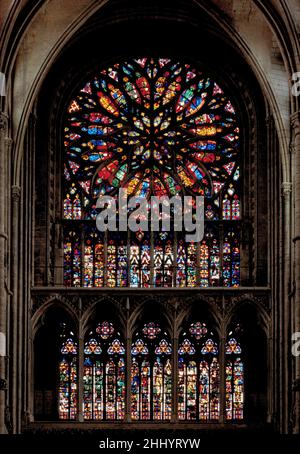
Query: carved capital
point(286, 188)
point(15, 192)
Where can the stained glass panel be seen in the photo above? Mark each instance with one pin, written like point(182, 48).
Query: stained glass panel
point(105, 330)
point(67, 388)
point(104, 375)
point(157, 127)
point(122, 265)
point(181, 265)
point(151, 375)
point(151, 330)
point(234, 381)
point(107, 132)
point(198, 330)
point(191, 265)
point(198, 376)
point(111, 264)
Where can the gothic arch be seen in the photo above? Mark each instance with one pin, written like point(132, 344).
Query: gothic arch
point(53, 303)
point(143, 312)
point(100, 303)
point(239, 304)
point(54, 338)
point(197, 306)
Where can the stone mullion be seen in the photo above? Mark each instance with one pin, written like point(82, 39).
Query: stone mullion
point(105, 239)
point(152, 251)
point(221, 243)
point(198, 257)
point(174, 417)
point(175, 259)
point(128, 239)
point(222, 365)
point(80, 415)
point(128, 341)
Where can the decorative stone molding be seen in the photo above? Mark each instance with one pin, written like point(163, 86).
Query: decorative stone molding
point(88, 302)
point(287, 188)
point(43, 300)
point(261, 301)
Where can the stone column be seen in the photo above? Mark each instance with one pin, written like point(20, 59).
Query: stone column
point(14, 337)
point(295, 123)
point(284, 313)
point(4, 141)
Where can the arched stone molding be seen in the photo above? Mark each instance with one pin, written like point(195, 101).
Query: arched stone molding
point(261, 305)
point(93, 304)
point(164, 314)
point(196, 304)
point(58, 301)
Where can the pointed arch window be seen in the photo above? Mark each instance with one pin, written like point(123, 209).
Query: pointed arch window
point(234, 380)
point(104, 374)
point(67, 375)
point(198, 375)
point(151, 375)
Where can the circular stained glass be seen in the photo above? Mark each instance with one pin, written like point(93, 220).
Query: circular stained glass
point(155, 127)
point(198, 330)
point(151, 330)
point(105, 330)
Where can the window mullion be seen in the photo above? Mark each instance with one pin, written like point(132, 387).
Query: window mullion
point(105, 259)
point(151, 365)
point(197, 389)
point(80, 378)
point(152, 284)
point(222, 378)
point(175, 379)
point(198, 264)
point(175, 260)
point(128, 371)
point(221, 243)
point(82, 264)
point(105, 361)
point(128, 260)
